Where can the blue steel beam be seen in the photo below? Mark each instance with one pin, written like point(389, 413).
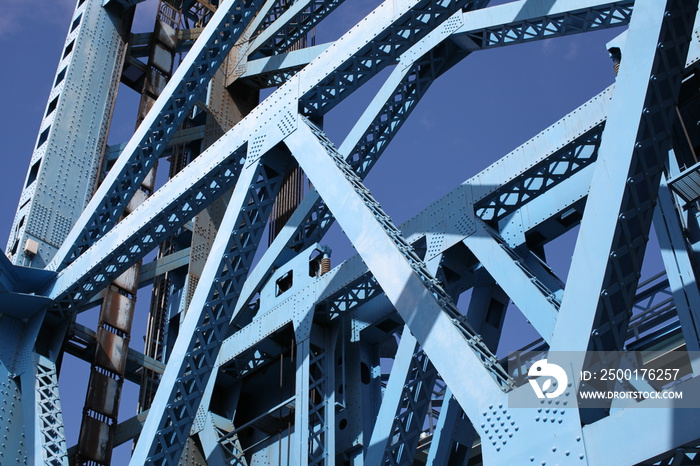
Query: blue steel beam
point(322, 427)
point(679, 268)
point(543, 176)
point(536, 159)
point(486, 172)
point(209, 438)
point(532, 287)
point(406, 401)
point(383, 50)
point(451, 425)
point(275, 70)
point(291, 26)
point(94, 280)
point(404, 406)
point(454, 435)
point(177, 202)
point(302, 401)
point(526, 21)
point(615, 226)
point(192, 359)
point(504, 25)
point(190, 80)
point(417, 296)
point(515, 168)
point(478, 383)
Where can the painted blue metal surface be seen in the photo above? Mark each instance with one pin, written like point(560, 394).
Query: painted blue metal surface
point(279, 359)
point(72, 135)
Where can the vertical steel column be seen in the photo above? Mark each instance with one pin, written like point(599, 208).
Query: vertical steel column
point(452, 425)
point(14, 448)
point(679, 269)
point(64, 166)
point(151, 138)
point(43, 418)
point(302, 403)
point(404, 407)
point(321, 433)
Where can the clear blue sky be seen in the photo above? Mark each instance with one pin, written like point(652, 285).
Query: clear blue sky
point(487, 105)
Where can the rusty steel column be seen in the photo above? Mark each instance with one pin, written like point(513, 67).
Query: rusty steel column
point(100, 414)
point(289, 197)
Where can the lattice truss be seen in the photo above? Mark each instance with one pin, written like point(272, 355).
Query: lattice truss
point(262, 354)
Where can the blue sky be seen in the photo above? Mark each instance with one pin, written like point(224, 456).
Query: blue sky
point(484, 107)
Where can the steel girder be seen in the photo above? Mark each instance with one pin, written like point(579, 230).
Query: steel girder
point(654, 95)
point(485, 216)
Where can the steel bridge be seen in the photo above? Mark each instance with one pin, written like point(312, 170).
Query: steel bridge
point(258, 351)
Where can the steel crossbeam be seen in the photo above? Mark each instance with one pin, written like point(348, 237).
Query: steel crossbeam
point(167, 210)
point(278, 69)
point(525, 21)
point(374, 130)
point(542, 177)
point(96, 279)
point(386, 47)
point(364, 145)
point(442, 331)
point(513, 169)
point(496, 27)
